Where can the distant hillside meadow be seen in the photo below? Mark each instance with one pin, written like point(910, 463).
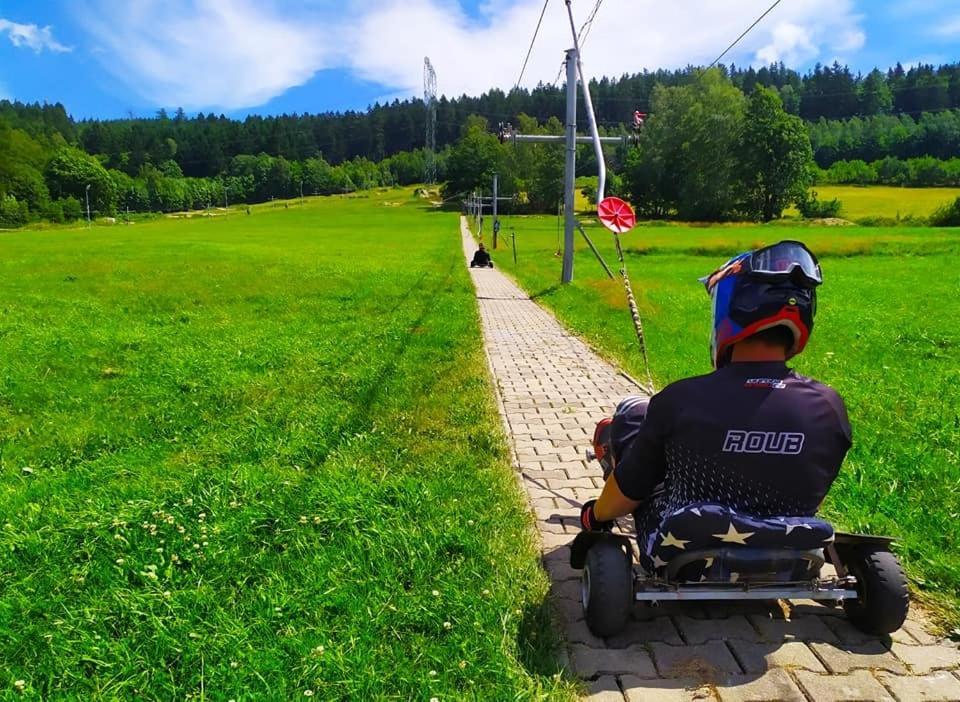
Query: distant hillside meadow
point(902, 125)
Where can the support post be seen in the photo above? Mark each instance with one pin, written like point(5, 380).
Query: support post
point(595, 251)
point(570, 167)
point(496, 229)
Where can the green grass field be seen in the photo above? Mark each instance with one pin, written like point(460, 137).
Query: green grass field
point(249, 457)
point(886, 201)
point(886, 337)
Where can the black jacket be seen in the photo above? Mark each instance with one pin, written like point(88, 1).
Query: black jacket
point(480, 258)
point(756, 437)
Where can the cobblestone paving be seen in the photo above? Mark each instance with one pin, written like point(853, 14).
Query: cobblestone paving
point(552, 389)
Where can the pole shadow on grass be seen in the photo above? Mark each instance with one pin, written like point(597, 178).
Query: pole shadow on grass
point(546, 291)
point(367, 399)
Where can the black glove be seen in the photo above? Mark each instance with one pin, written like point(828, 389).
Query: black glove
point(589, 521)
point(593, 531)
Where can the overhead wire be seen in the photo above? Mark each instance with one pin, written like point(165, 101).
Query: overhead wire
point(581, 35)
point(745, 33)
point(534, 39)
point(588, 25)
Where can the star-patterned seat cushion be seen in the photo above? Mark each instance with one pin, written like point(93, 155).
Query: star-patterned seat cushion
point(706, 527)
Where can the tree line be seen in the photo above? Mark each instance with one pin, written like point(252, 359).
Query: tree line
point(43, 176)
point(177, 162)
point(921, 172)
point(204, 144)
point(708, 152)
point(903, 136)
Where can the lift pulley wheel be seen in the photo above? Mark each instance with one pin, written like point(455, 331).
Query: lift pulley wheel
point(616, 215)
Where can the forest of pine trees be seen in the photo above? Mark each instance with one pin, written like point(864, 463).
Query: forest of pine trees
point(179, 161)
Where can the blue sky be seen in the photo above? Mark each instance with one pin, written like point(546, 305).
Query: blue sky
point(105, 58)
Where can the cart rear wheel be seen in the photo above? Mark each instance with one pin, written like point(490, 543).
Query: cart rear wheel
point(606, 588)
point(883, 601)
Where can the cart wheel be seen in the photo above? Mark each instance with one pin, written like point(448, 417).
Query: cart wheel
point(883, 599)
point(606, 588)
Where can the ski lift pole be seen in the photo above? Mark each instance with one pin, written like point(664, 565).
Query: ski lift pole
point(588, 105)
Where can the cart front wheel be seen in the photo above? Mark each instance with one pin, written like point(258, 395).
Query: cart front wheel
point(606, 588)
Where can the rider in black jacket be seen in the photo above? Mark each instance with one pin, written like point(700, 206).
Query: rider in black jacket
point(753, 435)
point(481, 258)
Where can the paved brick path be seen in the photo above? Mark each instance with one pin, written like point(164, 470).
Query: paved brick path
point(552, 389)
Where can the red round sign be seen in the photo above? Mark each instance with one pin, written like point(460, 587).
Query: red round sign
point(616, 215)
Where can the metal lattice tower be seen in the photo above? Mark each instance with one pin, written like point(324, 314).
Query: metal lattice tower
point(430, 103)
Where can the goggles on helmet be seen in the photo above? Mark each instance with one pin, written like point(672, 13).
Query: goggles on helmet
point(785, 260)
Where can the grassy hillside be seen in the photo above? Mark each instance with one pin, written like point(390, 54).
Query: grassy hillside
point(256, 457)
point(886, 201)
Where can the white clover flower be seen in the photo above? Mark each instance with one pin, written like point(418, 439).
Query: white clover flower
point(432, 673)
point(21, 685)
point(447, 626)
point(308, 693)
point(435, 593)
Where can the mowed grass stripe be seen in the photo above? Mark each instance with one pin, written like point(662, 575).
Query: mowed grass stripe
point(886, 337)
point(256, 456)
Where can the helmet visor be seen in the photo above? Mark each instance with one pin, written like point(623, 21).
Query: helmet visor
point(787, 259)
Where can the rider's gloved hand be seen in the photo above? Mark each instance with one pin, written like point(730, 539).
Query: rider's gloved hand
point(589, 521)
point(593, 531)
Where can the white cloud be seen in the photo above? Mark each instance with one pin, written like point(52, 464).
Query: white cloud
point(948, 28)
point(627, 36)
point(222, 53)
point(31, 36)
point(234, 54)
point(789, 43)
